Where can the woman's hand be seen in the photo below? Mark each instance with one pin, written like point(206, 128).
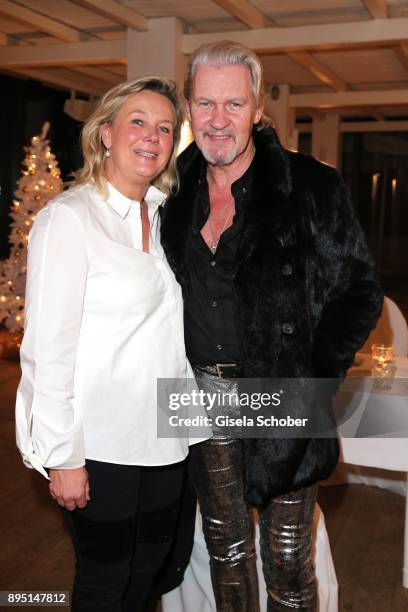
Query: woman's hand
point(70, 488)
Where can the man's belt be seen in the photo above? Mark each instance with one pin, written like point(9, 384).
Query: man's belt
point(222, 370)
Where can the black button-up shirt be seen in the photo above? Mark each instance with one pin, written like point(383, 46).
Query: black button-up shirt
point(211, 317)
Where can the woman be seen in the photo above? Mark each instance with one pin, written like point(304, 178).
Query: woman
point(103, 323)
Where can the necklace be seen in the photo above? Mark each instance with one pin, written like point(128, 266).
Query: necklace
point(214, 241)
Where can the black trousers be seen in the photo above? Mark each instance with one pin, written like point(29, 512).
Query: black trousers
point(124, 534)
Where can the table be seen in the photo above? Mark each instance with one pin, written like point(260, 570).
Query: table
point(385, 450)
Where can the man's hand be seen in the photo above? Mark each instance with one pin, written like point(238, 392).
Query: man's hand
point(70, 488)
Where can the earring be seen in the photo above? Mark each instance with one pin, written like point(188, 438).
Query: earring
point(107, 153)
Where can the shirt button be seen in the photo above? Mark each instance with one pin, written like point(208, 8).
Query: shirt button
point(287, 269)
point(214, 303)
point(244, 190)
point(219, 347)
point(213, 263)
point(288, 329)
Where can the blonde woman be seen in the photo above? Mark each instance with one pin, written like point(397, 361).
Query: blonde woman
point(103, 322)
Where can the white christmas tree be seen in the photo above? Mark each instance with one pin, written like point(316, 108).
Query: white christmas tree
point(40, 181)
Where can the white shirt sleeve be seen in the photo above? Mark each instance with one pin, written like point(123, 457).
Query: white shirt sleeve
point(49, 431)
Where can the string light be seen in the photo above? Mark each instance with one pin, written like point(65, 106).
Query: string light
point(40, 179)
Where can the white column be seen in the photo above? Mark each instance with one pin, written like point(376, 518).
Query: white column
point(277, 107)
point(326, 139)
point(157, 52)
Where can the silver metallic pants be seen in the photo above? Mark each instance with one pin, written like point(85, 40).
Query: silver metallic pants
point(217, 472)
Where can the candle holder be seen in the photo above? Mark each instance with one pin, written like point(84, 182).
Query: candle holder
point(382, 361)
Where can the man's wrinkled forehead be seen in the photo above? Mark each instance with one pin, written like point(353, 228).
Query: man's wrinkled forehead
point(218, 81)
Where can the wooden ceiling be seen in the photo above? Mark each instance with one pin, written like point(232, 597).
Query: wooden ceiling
point(353, 54)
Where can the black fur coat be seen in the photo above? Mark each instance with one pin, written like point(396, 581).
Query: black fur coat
point(306, 285)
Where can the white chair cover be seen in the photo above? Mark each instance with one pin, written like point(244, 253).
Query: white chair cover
point(391, 329)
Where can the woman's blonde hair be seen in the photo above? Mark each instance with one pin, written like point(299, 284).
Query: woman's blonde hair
point(93, 149)
point(225, 53)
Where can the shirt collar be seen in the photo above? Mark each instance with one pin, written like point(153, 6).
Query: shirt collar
point(243, 182)
point(239, 188)
point(122, 204)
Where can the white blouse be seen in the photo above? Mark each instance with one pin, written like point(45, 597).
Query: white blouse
point(104, 321)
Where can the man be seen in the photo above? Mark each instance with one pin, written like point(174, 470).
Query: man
point(277, 282)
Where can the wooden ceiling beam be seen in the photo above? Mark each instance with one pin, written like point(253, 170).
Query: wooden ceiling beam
point(117, 12)
point(357, 34)
point(71, 54)
point(38, 22)
point(346, 99)
point(378, 9)
point(375, 113)
point(118, 69)
point(98, 73)
point(254, 18)
point(321, 72)
point(315, 113)
point(402, 54)
point(51, 78)
point(245, 12)
point(375, 126)
point(362, 126)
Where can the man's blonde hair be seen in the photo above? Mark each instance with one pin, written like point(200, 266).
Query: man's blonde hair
point(226, 53)
point(93, 149)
